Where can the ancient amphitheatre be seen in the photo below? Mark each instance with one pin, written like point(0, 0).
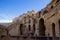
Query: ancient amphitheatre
point(43, 25)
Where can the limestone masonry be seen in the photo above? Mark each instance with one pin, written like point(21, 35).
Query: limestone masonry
point(43, 23)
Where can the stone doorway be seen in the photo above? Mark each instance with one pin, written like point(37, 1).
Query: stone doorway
point(21, 31)
point(53, 29)
point(41, 27)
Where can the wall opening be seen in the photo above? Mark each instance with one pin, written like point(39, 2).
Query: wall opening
point(21, 30)
point(34, 21)
point(29, 21)
point(41, 27)
point(53, 29)
point(51, 7)
point(33, 28)
point(57, 1)
point(29, 27)
point(45, 12)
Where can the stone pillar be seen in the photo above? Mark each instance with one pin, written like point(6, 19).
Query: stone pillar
point(0, 37)
point(48, 37)
point(59, 29)
point(37, 30)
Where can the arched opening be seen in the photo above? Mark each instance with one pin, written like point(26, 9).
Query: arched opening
point(29, 30)
point(21, 30)
point(29, 27)
point(57, 1)
point(29, 21)
point(34, 28)
point(51, 7)
point(45, 12)
point(41, 27)
point(53, 29)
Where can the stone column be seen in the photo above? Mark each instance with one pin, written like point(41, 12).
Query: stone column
point(37, 30)
point(59, 29)
point(0, 37)
point(48, 37)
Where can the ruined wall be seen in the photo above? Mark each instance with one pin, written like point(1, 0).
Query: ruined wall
point(3, 30)
point(32, 23)
point(52, 17)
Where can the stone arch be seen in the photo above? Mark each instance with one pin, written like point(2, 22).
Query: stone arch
point(41, 27)
point(22, 29)
point(53, 29)
point(21, 32)
point(57, 1)
point(34, 25)
point(51, 6)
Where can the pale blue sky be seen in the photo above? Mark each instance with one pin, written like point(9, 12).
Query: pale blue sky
point(9, 9)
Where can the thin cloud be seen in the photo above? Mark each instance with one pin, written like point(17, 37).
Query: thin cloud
point(2, 17)
point(5, 18)
point(5, 21)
